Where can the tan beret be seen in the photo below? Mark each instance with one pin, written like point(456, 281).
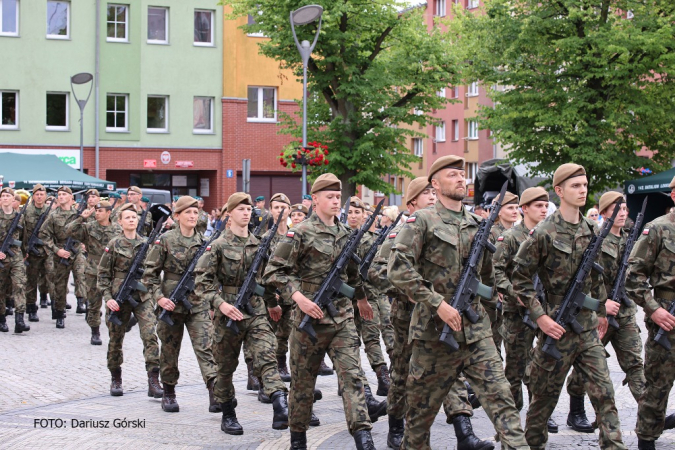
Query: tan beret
point(567, 171)
point(126, 207)
point(38, 187)
point(446, 162)
point(356, 203)
point(65, 189)
point(510, 198)
point(184, 203)
point(280, 198)
point(533, 194)
point(416, 187)
point(135, 189)
point(299, 207)
point(7, 190)
point(326, 182)
point(103, 205)
point(93, 192)
point(672, 184)
point(237, 199)
point(609, 198)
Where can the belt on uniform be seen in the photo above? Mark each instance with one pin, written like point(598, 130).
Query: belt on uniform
point(309, 287)
point(120, 274)
point(555, 300)
point(231, 289)
point(664, 294)
point(172, 276)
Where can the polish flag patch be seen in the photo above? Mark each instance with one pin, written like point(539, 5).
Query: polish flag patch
point(107, 250)
point(157, 241)
point(645, 231)
point(392, 235)
point(290, 234)
point(531, 231)
point(411, 219)
point(208, 248)
point(500, 238)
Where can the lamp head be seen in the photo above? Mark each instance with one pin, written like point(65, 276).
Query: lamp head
point(306, 14)
point(81, 78)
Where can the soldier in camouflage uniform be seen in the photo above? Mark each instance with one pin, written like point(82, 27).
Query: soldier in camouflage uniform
point(425, 264)
point(625, 340)
point(95, 235)
point(297, 268)
point(651, 267)
point(134, 195)
point(553, 251)
point(203, 221)
point(171, 253)
point(114, 265)
point(13, 272)
point(298, 213)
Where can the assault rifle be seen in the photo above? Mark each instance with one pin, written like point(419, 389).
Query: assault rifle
point(469, 285)
point(131, 281)
point(70, 242)
point(186, 284)
point(333, 285)
point(661, 337)
point(9, 240)
point(372, 251)
point(618, 292)
point(575, 299)
point(249, 287)
point(141, 223)
point(34, 239)
point(539, 293)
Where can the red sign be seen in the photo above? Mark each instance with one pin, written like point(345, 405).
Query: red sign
point(150, 163)
point(185, 164)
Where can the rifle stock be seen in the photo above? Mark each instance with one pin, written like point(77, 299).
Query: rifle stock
point(367, 260)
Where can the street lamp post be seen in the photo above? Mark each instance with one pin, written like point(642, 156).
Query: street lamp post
point(81, 78)
point(302, 16)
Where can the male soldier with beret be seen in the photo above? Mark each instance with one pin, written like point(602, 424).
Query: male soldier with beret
point(93, 198)
point(264, 214)
point(203, 221)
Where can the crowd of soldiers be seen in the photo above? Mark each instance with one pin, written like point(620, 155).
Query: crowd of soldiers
point(254, 287)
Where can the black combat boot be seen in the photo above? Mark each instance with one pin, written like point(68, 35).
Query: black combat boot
point(130, 324)
point(466, 440)
point(280, 406)
point(364, 440)
point(646, 445)
point(252, 384)
point(116, 383)
point(169, 403)
point(318, 395)
point(395, 435)
point(670, 422)
point(314, 421)
point(19, 325)
point(81, 306)
point(60, 319)
point(375, 409)
point(32, 313)
point(383, 381)
point(43, 300)
point(552, 426)
point(96, 336)
point(262, 397)
point(577, 417)
point(9, 309)
point(473, 398)
point(298, 440)
point(324, 369)
point(214, 406)
point(3, 324)
point(154, 388)
point(283, 369)
point(68, 305)
point(229, 424)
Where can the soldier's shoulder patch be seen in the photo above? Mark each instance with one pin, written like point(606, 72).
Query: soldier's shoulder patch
point(208, 248)
point(107, 250)
point(500, 238)
point(645, 231)
point(290, 234)
point(531, 231)
point(411, 219)
point(392, 235)
point(158, 241)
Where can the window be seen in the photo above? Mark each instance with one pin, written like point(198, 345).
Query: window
point(118, 23)
point(454, 92)
point(470, 170)
point(473, 130)
point(58, 20)
point(472, 90)
point(440, 8)
point(455, 130)
point(202, 115)
point(9, 17)
point(116, 113)
point(57, 111)
point(252, 21)
point(418, 147)
point(441, 93)
point(9, 110)
point(204, 28)
point(158, 25)
point(158, 114)
point(262, 104)
point(471, 4)
point(440, 132)
point(418, 112)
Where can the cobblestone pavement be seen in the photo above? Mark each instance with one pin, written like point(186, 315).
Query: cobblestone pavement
point(56, 374)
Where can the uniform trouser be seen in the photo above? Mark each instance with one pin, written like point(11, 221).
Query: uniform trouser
point(627, 344)
point(256, 335)
point(60, 280)
point(79, 266)
point(660, 374)
point(386, 327)
point(369, 332)
point(200, 329)
point(282, 330)
point(94, 301)
point(13, 283)
point(518, 339)
point(38, 274)
point(342, 344)
point(547, 376)
point(434, 371)
point(147, 321)
point(496, 319)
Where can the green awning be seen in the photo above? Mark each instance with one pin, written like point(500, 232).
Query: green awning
point(654, 183)
point(655, 188)
point(22, 171)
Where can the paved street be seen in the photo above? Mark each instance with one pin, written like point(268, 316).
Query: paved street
point(56, 374)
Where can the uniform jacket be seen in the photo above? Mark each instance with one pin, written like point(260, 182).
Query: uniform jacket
point(118, 254)
point(95, 237)
point(53, 231)
point(5, 223)
point(30, 218)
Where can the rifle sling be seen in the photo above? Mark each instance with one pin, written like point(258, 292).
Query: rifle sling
point(555, 300)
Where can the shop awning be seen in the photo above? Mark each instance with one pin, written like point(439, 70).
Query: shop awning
point(656, 188)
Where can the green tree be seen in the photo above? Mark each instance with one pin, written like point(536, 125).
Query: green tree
point(583, 83)
point(375, 72)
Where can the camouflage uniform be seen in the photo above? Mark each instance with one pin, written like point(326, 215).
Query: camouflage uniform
point(147, 228)
point(553, 251)
point(95, 237)
point(171, 253)
point(202, 222)
point(113, 267)
point(425, 264)
point(40, 267)
point(14, 272)
point(491, 306)
point(79, 270)
point(651, 267)
point(626, 341)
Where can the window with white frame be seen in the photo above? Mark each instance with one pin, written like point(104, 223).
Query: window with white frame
point(158, 114)
point(57, 111)
point(440, 132)
point(472, 90)
point(454, 92)
point(472, 4)
point(252, 20)
point(9, 110)
point(440, 8)
point(441, 93)
point(262, 104)
point(117, 113)
point(118, 23)
point(472, 130)
point(418, 112)
point(202, 115)
point(9, 17)
point(455, 130)
point(418, 147)
point(158, 25)
point(204, 28)
point(58, 20)
point(470, 170)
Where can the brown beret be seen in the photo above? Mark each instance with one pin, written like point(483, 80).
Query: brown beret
point(299, 207)
point(237, 199)
point(609, 198)
point(93, 192)
point(533, 194)
point(184, 203)
point(672, 184)
point(65, 189)
point(7, 190)
point(567, 171)
point(416, 187)
point(104, 205)
point(446, 162)
point(126, 207)
point(510, 198)
point(280, 198)
point(326, 182)
point(135, 189)
point(38, 187)
point(356, 203)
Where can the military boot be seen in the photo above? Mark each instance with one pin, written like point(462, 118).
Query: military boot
point(364, 440)
point(169, 403)
point(96, 336)
point(68, 305)
point(252, 384)
point(473, 398)
point(670, 422)
point(60, 319)
point(229, 424)
point(132, 321)
point(214, 406)
point(262, 397)
point(19, 325)
point(395, 435)
point(9, 310)
point(552, 425)
point(324, 369)
point(318, 395)
point(116, 383)
point(298, 440)
point(577, 417)
point(314, 421)
point(383, 381)
point(646, 445)
point(43, 300)
point(466, 440)
point(154, 388)
point(283, 369)
point(3, 324)
point(81, 306)
point(375, 409)
point(32, 313)
point(280, 406)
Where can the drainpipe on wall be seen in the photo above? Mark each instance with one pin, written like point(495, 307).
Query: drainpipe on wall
point(96, 82)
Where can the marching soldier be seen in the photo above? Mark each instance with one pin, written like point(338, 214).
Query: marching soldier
point(203, 221)
point(114, 265)
point(426, 265)
point(307, 203)
point(93, 198)
point(553, 251)
point(264, 214)
point(134, 195)
point(298, 213)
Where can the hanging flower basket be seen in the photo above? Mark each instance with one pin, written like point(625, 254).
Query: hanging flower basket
point(294, 156)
